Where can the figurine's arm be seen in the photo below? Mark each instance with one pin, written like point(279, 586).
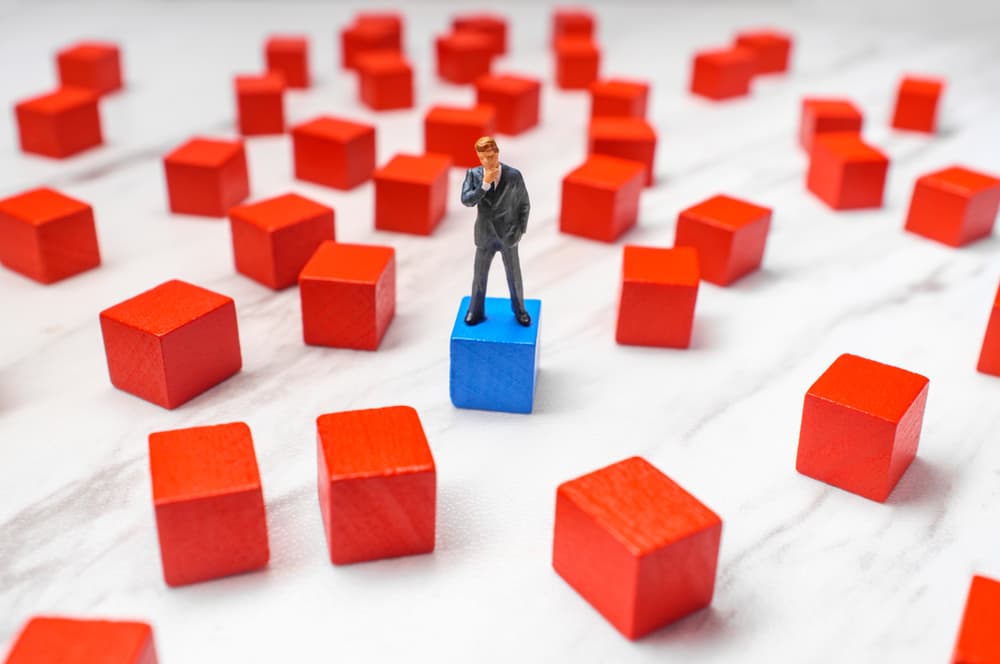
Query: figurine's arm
point(471, 193)
point(523, 207)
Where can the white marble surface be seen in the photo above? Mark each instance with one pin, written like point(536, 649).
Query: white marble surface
point(807, 572)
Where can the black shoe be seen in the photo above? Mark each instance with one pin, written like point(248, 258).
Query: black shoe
point(524, 318)
point(474, 319)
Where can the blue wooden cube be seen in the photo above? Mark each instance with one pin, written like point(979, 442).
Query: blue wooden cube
point(494, 365)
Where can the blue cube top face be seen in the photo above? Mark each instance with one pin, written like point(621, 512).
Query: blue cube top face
point(494, 364)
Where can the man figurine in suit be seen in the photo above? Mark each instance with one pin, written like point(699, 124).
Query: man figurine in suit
point(497, 190)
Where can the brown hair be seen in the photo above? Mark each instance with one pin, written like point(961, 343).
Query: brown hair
point(485, 144)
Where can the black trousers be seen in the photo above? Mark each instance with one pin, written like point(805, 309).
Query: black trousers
point(481, 272)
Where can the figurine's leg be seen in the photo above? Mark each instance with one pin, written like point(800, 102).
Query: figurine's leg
point(512, 265)
point(480, 273)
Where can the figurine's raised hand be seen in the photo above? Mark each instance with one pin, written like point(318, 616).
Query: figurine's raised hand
point(490, 174)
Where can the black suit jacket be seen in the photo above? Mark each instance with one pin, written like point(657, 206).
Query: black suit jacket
point(502, 215)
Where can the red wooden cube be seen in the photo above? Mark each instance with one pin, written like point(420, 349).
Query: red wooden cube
point(206, 177)
point(917, 103)
point(348, 294)
point(95, 66)
point(860, 426)
point(626, 138)
point(334, 152)
point(637, 546)
point(729, 235)
point(658, 293)
point(827, 116)
point(771, 49)
point(978, 640)
point(490, 25)
point(274, 238)
point(462, 57)
point(573, 22)
point(411, 193)
point(955, 206)
point(370, 32)
point(989, 357)
point(59, 124)
point(385, 80)
point(846, 173)
point(723, 73)
point(453, 131)
point(600, 198)
point(578, 62)
point(46, 639)
point(47, 236)
point(288, 55)
point(516, 100)
point(171, 343)
point(260, 105)
point(615, 97)
point(377, 484)
point(209, 505)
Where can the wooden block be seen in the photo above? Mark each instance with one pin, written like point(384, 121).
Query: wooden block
point(516, 100)
point(600, 198)
point(578, 63)
point(260, 105)
point(57, 640)
point(371, 31)
point(210, 515)
point(493, 26)
point(288, 55)
point(658, 293)
point(206, 177)
point(93, 65)
point(60, 123)
point(348, 295)
point(625, 138)
point(825, 116)
point(638, 547)
point(453, 131)
point(771, 49)
point(917, 104)
point(494, 365)
point(334, 152)
point(171, 343)
point(385, 80)
point(616, 97)
point(978, 640)
point(954, 206)
point(274, 238)
point(860, 426)
point(723, 73)
point(989, 357)
point(377, 484)
point(729, 235)
point(462, 57)
point(573, 22)
point(845, 172)
point(411, 193)
point(47, 236)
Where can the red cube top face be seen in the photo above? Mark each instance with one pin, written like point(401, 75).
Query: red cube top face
point(167, 307)
point(89, 50)
point(734, 56)
point(467, 40)
point(509, 84)
point(727, 212)
point(40, 206)
point(287, 44)
point(204, 152)
point(572, 22)
point(921, 86)
point(280, 211)
point(374, 442)
point(359, 263)
point(831, 110)
point(677, 266)
point(606, 172)
point(270, 83)
point(643, 508)
point(419, 169)
point(202, 461)
point(336, 129)
point(848, 146)
point(615, 128)
point(617, 87)
point(63, 99)
point(576, 46)
point(868, 386)
point(961, 181)
point(977, 637)
point(383, 62)
point(70, 641)
point(476, 116)
point(764, 37)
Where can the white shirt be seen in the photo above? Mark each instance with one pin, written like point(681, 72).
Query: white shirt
point(496, 183)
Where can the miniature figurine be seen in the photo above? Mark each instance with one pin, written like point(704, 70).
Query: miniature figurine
point(501, 199)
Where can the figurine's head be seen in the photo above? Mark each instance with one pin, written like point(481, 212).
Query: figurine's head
point(488, 152)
